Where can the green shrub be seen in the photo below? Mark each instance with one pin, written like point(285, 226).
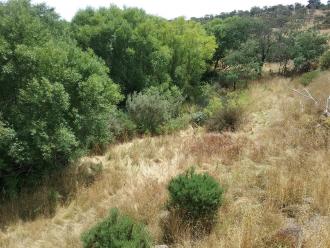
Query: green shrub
point(308, 77)
point(206, 92)
point(195, 196)
point(325, 60)
point(154, 107)
point(214, 105)
point(226, 118)
point(117, 231)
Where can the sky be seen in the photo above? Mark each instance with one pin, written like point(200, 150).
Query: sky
point(165, 8)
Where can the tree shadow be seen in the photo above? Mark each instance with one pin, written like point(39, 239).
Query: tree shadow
point(56, 189)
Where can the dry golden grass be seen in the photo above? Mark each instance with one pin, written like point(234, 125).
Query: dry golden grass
point(275, 170)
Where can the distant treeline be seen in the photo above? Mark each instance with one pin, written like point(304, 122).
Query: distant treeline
point(285, 12)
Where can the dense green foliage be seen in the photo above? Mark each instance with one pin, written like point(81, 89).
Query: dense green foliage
point(244, 45)
point(195, 196)
point(229, 33)
point(117, 231)
point(308, 47)
point(143, 50)
point(55, 99)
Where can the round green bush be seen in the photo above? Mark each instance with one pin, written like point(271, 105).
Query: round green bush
point(195, 196)
point(117, 231)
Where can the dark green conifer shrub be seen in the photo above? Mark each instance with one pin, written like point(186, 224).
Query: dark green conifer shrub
point(117, 231)
point(196, 197)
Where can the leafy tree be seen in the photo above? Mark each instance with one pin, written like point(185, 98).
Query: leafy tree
point(127, 41)
point(279, 15)
point(282, 50)
point(188, 65)
point(20, 25)
point(256, 11)
point(55, 99)
point(245, 62)
point(229, 33)
point(233, 32)
point(143, 50)
point(304, 48)
point(308, 47)
point(262, 34)
point(43, 136)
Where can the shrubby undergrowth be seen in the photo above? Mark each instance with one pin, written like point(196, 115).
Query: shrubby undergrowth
point(117, 231)
point(154, 107)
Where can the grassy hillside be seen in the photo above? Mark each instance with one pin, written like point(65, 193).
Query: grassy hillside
point(275, 170)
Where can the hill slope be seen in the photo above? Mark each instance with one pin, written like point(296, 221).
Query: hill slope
point(275, 170)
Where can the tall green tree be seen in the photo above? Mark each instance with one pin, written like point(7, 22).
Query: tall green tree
point(55, 99)
point(263, 35)
point(127, 40)
point(190, 48)
point(282, 50)
point(308, 47)
point(230, 33)
point(142, 50)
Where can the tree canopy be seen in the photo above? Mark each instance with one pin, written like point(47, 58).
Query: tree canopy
point(142, 50)
point(55, 99)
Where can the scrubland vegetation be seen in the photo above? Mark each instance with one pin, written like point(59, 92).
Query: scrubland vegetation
point(122, 129)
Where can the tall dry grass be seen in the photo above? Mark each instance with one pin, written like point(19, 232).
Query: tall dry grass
point(275, 171)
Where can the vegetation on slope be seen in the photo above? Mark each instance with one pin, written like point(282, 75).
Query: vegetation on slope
point(57, 99)
point(274, 170)
point(269, 150)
